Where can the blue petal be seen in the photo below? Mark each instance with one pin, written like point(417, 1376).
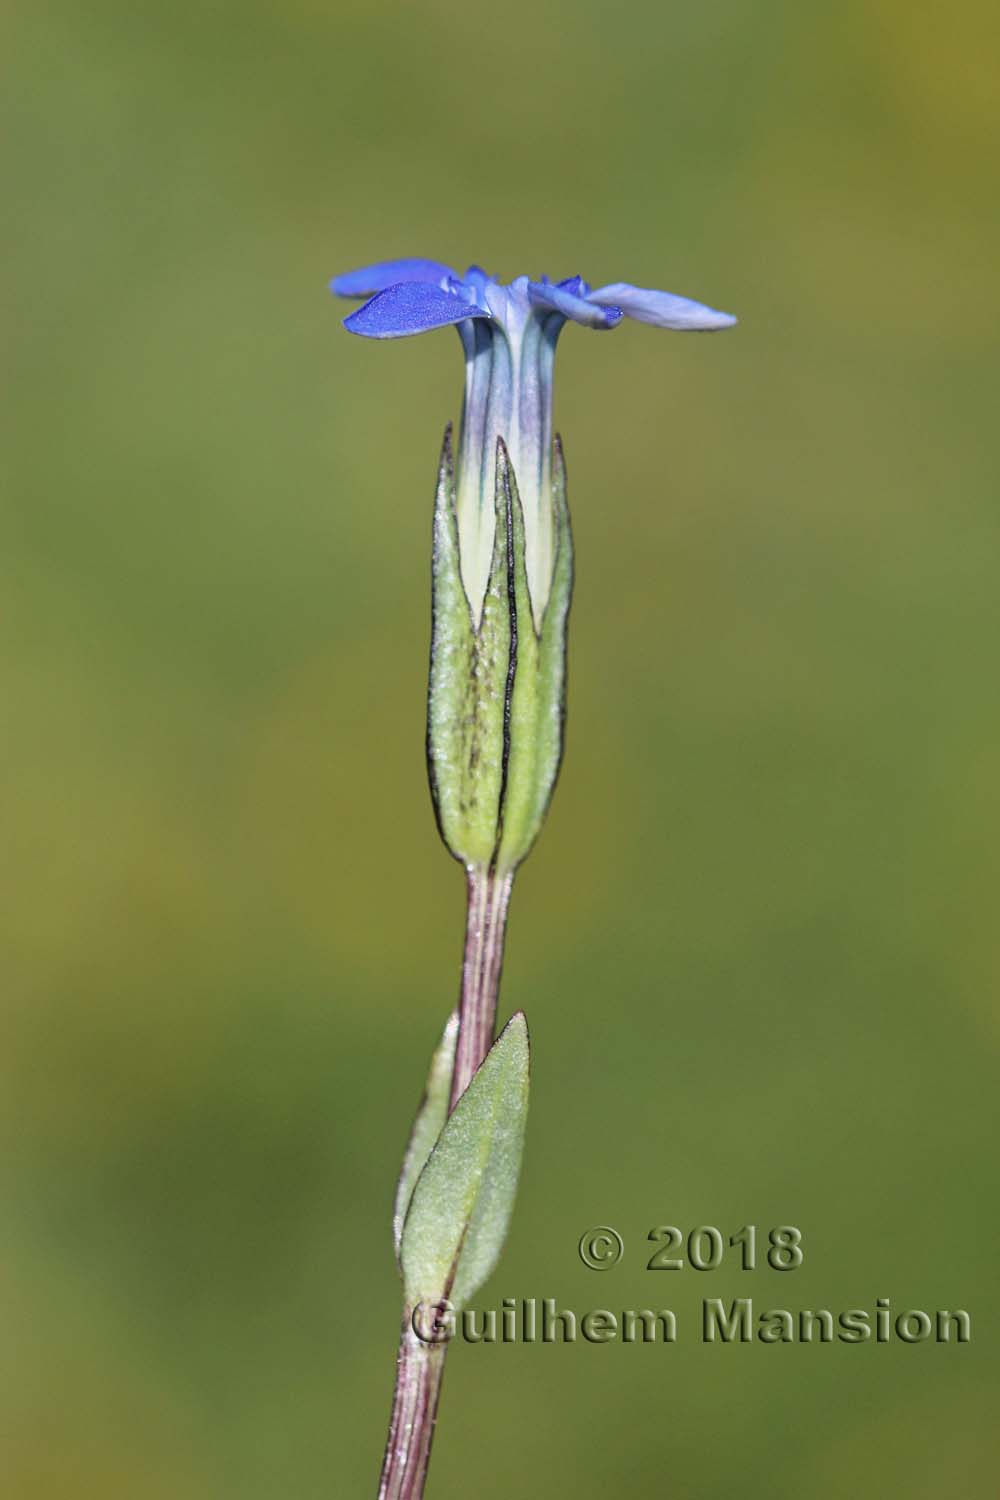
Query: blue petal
point(372, 279)
point(562, 299)
point(660, 308)
point(476, 277)
point(410, 307)
point(574, 284)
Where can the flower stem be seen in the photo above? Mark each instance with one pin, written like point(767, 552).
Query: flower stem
point(486, 922)
point(420, 1365)
point(419, 1368)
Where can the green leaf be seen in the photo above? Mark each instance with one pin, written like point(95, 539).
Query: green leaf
point(427, 1126)
point(462, 1203)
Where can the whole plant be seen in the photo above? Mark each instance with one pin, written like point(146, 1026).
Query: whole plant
point(502, 575)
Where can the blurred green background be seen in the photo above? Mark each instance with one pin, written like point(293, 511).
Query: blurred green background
point(756, 943)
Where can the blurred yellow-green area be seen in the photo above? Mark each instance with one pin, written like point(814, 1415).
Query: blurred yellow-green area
point(756, 943)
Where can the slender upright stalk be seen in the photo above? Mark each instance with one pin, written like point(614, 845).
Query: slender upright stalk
point(486, 923)
point(419, 1367)
point(420, 1364)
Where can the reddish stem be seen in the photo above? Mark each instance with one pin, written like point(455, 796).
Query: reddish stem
point(420, 1365)
point(486, 922)
point(419, 1368)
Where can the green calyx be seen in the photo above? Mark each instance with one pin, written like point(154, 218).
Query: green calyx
point(497, 693)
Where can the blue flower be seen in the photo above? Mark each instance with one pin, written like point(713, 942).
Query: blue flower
point(509, 335)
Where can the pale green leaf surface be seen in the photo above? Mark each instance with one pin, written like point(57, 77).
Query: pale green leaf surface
point(461, 1206)
point(428, 1124)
